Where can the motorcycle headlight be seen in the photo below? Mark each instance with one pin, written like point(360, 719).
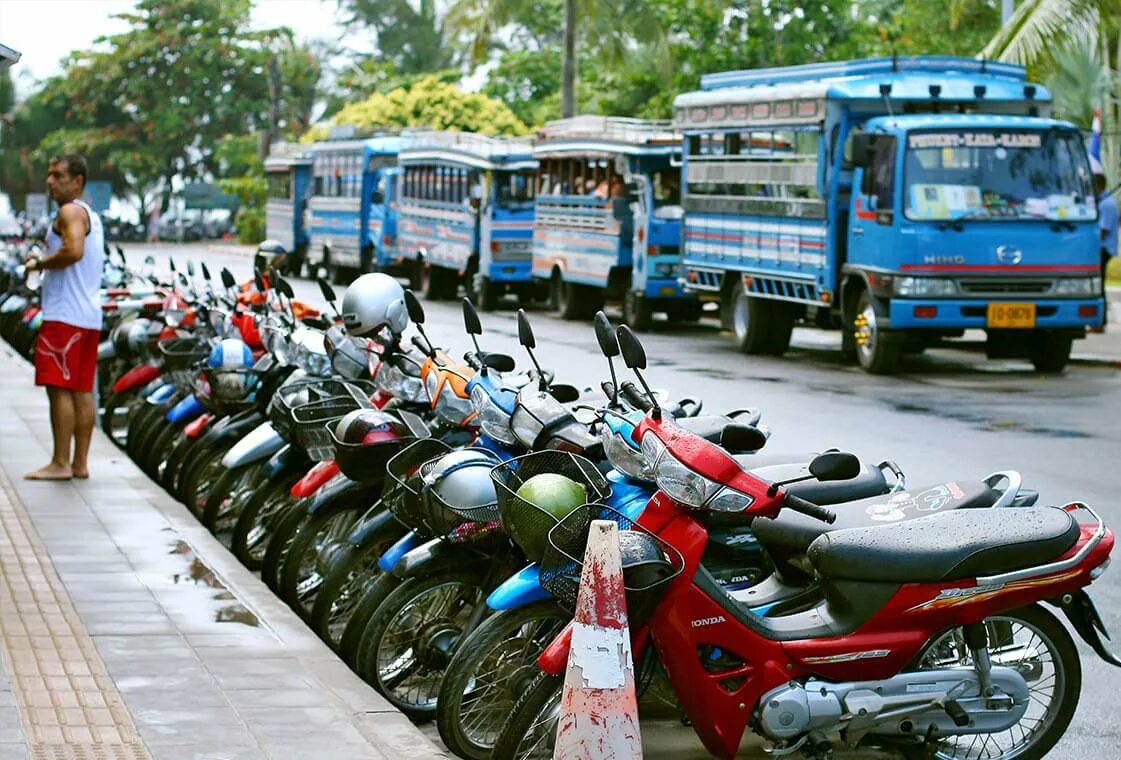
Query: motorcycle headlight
point(451, 408)
point(1078, 286)
point(318, 364)
point(492, 419)
point(401, 385)
point(432, 385)
point(280, 348)
point(686, 487)
point(622, 456)
point(924, 286)
point(525, 426)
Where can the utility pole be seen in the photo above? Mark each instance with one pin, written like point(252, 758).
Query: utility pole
point(1007, 7)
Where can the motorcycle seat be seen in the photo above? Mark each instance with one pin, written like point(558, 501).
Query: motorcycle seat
point(792, 530)
point(947, 546)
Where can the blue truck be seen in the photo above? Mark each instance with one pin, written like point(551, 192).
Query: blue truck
point(608, 225)
point(288, 172)
point(351, 219)
point(901, 200)
point(465, 215)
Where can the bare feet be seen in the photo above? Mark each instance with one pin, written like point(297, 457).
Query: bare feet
point(79, 473)
point(52, 471)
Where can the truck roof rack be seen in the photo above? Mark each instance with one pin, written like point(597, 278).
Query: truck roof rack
point(492, 147)
point(930, 64)
point(612, 128)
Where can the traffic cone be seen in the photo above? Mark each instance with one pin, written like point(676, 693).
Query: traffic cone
point(599, 707)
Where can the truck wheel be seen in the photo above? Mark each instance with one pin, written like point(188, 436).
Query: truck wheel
point(1051, 352)
point(636, 311)
point(431, 284)
point(749, 321)
point(780, 320)
point(416, 275)
point(875, 355)
point(566, 296)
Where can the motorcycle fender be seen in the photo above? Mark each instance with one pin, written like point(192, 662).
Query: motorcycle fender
point(196, 427)
point(286, 461)
point(136, 377)
point(314, 480)
point(554, 658)
point(367, 528)
point(162, 394)
point(519, 590)
point(390, 557)
point(1082, 614)
point(337, 492)
point(185, 411)
point(106, 351)
point(428, 558)
point(261, 443)
point(238, 425)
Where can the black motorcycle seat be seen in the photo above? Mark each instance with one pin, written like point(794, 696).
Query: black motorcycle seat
point(777, 467)
point(793, 530)
point(946, 546)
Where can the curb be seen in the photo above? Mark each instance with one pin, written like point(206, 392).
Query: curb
point(231, 249)
point(1089, 360)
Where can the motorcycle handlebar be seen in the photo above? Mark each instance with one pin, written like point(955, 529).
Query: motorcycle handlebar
point(809, 509)
point(634, 396)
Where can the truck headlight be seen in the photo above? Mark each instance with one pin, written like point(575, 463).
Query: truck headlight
point(1078, 286)
point(924, 286)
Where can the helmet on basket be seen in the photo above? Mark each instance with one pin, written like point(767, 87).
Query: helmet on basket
point(131, 338)
point(461, 479)
point(230, 353)
point(372, 302)
point(369, 427)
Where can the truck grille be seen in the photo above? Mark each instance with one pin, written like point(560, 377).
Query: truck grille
point(1005, 287)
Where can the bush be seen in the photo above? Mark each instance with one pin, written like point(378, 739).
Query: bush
point(250, 225)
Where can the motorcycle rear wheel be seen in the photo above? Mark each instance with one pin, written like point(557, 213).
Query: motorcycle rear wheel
point(255, 523)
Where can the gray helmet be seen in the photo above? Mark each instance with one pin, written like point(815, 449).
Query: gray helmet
point(372, 302)
point(461, 479)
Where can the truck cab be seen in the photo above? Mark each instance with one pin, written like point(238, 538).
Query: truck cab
point(288, 172)
point(901, 200)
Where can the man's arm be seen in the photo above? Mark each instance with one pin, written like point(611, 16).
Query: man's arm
point(72, 223)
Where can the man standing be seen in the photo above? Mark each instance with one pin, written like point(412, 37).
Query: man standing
point(1107, 223)
point(66, 355)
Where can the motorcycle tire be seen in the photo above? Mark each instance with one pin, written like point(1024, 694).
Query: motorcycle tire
point(350, 643)
point(491, 669)
point(531, 730)
point(306, 565)
point(169, 478)
point(228, 496)
point(255, 524)
point(140, 428)
point(343, 589)
point(281, 541)
point(161, 450)
point(404, 649)
point(119, 408)
point(202, 477)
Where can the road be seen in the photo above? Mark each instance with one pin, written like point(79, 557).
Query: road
point(949, 414)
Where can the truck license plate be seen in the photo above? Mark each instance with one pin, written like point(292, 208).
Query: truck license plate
point(1014, 315)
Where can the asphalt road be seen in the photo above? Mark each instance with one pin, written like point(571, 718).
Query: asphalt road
point(949, 414)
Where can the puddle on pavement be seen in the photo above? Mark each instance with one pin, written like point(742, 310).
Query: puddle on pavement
point(985, 423)
point(224, 605)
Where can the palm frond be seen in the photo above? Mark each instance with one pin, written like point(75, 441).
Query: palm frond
point(1038, 25)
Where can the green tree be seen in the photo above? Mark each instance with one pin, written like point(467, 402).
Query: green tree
point(933, 27)
point(410, 37)
point(430, 102)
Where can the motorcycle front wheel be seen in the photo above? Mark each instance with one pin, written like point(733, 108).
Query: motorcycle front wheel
point(531, 731)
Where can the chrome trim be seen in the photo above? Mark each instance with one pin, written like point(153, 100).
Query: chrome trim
point(1015, 480)
point(1053, 567)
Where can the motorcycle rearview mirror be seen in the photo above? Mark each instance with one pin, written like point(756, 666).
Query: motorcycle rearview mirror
point(742, 439)
point(413, 306)
point(284, 288)
point(609, 346)
point(327, 291)
point(205, 271)
point(564, 393)
point(149, 260)
point(471, 321)
point(228, 278)
point(835, 465)
point(259, 280)
point(634, 356)
point(499, 362)
point(525, 337)
point(191, 267)
point(171, 263)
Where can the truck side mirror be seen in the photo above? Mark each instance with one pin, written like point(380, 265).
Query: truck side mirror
point(863, 149)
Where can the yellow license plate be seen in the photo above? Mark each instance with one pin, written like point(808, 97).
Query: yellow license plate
point(1011, 315)
point(668, 290)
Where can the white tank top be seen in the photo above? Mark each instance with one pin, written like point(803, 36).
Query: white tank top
point(71, 295)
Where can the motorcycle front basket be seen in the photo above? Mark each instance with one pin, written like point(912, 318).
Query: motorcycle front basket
point(527, 523)
point(311, 422)
point(420, 509)
point(301, 392)
point(366, 462)
point(224, 391)
point(182, 353)
point(645, 578)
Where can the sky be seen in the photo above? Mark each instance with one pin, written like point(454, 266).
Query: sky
point(46, 31)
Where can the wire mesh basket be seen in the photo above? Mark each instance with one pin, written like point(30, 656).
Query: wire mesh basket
point(311, 421)
point(181, 353)
point(529, 523)
point(420, 506)
point(301, 392)
point(649, 563)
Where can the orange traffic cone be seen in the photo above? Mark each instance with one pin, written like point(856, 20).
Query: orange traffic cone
point(599, 708)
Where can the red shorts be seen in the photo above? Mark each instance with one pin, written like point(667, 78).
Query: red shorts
point(66, 356)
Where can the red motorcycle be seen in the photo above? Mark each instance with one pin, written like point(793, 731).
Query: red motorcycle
point(930, 639)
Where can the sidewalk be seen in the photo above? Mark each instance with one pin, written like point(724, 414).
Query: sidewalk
point(127, 632)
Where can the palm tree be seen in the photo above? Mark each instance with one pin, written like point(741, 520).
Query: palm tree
point(611, 27)
point(1040, 28)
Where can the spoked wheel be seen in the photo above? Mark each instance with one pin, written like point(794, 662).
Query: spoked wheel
point(115, 417)
point(284, 530)
point(373, 593)
point(412, 636)
point(255, 524)
point(1033, 642)
point(491, 670)
point(315, 548)
point(531, 731)
point(228, 497)
point(207, 473)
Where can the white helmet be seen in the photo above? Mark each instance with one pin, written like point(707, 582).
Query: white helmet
point(372, 302)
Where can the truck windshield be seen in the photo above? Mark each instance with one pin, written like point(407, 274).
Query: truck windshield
point(993, 175)
point(515, 189)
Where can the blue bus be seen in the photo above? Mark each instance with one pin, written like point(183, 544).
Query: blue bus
point(351, 218)
point(902, 200)
point(465, 214)
point(609, 215)
point(288, 172)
